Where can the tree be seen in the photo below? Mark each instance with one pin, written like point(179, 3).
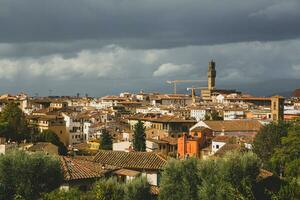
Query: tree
point(231, 177)
point(139, 137)
point(106, 140)
point(27, 176)
point(213, 115)
point(268, 139)
point(72, 194)
point(50, 136)
point(179, 180)
point(138, 188)
point(16, 125)
point(286, 158)
point(109, 190)
point(3, 129)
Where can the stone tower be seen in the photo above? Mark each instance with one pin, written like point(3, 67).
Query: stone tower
point(211, 76)
point(277, 108)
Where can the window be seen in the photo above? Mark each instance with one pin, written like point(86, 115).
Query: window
point(217, 146)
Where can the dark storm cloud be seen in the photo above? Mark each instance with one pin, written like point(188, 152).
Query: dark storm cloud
point(108, 46)
point(148, 23)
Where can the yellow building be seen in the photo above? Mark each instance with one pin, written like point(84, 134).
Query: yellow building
point(53, 123)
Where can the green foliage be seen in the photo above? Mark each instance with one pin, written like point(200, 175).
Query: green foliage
point(3, 128)
point(72, 194)
point(289, 190)
point(232, 177)
point(268, 139)
point(138, 188)
point(287, 157)
point(50, 136)
point(13, 123)
point(109, 190)
point(179, 180)
point(213, 115)
point(26, 176)
point(278, 145)
point(106, 140)
point(139, 137)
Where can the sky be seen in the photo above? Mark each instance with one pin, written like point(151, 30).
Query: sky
point(101, 47)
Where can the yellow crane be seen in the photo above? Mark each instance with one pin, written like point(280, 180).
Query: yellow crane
point(174, 82)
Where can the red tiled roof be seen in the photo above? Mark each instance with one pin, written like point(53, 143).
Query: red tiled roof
point(226, 148)
point(234, 125)
point(163, 118)
point(133, 160)
point(127, 172)
point(222, 138)
point(74, 169)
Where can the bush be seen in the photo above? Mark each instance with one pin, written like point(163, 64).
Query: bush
point(231, 177)
point(109, 190)
point(72, 194)
point(138, 188)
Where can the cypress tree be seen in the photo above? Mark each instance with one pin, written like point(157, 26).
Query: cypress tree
point(139, 137)
point(106, 140)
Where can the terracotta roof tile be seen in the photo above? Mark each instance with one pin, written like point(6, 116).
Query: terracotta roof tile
point(222, 138)
point(133, 160)
point(234, 125)
point(226, 148)
point(74, 169)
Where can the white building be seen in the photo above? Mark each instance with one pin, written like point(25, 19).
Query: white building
point(216, 145)
point(151, 146)
point(122, 146)
point(198, 113)
point(233, 114)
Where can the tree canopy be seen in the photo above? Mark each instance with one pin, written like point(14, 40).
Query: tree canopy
point(106, 140)
point(27, 176)
point(268, 139)
point(72, 194)
point(13, 123)
point(139, 137)
point(111, 189)
point(278, 145)
point(213, 115)
point(286, 158)
point(180, 180)
point(231, 177)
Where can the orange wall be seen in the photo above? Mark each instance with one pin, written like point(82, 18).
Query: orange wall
point(189, 146)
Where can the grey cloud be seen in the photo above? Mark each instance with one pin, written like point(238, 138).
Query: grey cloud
point(112, 69)
point(148, 23)
point(106, 46)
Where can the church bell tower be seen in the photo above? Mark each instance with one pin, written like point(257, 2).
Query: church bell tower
point(211, 77)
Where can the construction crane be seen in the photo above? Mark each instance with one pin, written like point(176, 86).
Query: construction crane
point(174, 82)
point(194, 92)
